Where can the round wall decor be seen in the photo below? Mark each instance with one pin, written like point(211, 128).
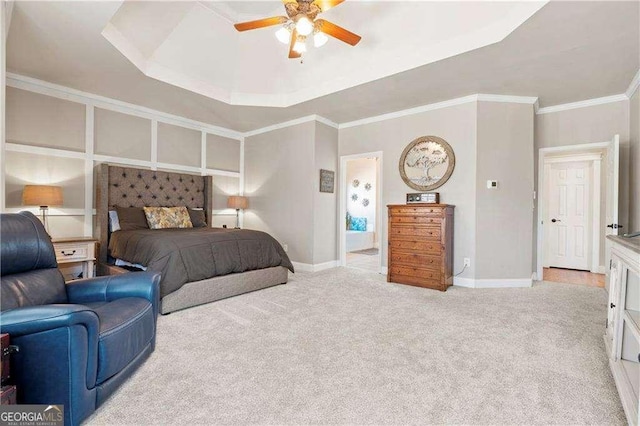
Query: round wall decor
point(427, 163)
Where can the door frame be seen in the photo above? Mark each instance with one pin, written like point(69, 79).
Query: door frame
point(566, 154)
point(342, 202)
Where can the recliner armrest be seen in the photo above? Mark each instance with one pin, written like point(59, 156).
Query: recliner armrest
point(105, 289)
point(35, 319)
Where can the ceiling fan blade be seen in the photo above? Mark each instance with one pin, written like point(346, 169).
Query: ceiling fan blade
point(325, 5)
point(292, 53)
point(260, 23)
point(338, 32)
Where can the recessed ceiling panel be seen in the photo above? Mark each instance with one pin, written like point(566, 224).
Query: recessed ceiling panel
point(195, 46)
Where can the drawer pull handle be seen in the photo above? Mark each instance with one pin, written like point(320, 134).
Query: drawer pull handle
point(68, 254)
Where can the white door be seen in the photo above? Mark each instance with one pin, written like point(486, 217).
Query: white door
point(568, 221)
point(613, 183)
point(612, 199)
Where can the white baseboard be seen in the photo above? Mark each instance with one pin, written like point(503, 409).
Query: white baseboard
point(492, 283)
point(308, 267)
point(464, 282)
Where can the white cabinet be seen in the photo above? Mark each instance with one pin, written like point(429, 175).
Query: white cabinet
point(622, 337)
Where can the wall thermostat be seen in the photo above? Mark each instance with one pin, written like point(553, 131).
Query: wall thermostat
point(492, 184)
point(424, 197)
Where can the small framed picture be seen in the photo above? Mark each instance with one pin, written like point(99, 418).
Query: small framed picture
point(327, 178)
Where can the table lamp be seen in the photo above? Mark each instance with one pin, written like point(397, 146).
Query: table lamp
point(44, 196)
point(237, 202)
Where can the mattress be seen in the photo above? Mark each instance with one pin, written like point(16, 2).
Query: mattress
point(196, 254)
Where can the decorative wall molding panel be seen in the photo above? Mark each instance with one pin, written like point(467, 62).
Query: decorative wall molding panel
point(91, 102)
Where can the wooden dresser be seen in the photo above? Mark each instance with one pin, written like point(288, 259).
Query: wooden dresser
point(420, 251)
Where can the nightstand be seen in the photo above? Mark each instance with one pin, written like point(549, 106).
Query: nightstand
point(77, 250)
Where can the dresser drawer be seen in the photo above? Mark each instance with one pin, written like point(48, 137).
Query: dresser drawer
point(426, 232)
point(426, 247)
point(71, 252)
point(412, 271)
point(416, 220)
point(417, 211)
point(415, 259)
point(436, 284)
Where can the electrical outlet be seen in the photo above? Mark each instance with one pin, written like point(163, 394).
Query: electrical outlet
point(285, 247)
point(467, 261)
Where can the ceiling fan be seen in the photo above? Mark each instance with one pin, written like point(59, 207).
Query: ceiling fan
point(301, 23)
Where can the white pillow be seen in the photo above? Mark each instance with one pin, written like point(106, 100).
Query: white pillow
point(114, 222)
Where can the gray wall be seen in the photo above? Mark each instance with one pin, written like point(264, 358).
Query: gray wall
point(504, 215)
point(122, 135)
point(456, 125)
point(177, 145)
point(223, 153)
point(280, 184)
point(634, 163)
point(53, 123)
point(325, 204)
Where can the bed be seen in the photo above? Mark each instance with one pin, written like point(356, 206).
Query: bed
point(360, 240)
point(198, 265)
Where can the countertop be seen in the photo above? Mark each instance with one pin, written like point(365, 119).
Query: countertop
point(632, 244)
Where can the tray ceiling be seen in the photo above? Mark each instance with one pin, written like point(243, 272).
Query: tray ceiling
point(193, 45)
point(566, 52)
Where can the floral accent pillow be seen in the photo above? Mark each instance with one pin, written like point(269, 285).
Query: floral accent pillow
point(167, 217)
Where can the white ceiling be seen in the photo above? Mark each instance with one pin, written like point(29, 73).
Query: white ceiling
point(566, 52)
point(196, 47)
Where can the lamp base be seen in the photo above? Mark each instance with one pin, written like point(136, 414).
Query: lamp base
point(43, 213)
point(237, 219)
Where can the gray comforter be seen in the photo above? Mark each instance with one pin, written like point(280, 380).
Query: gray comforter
point(194, 254)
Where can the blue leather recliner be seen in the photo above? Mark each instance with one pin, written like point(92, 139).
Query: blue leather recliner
point(78, 341)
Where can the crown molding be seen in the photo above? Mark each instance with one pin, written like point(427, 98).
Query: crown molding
point(531, 100)
point(409, 111)
point(42, 87)
point(633, 86)
point(481, 97)
point(295, 122)
point(583, 104)
point(326, 121)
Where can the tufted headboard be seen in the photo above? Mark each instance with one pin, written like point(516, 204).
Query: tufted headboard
point(130, 187)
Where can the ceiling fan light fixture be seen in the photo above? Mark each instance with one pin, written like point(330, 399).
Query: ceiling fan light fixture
point(304, 26)
point(283, 35)
point(319, 39)
point(300, 46)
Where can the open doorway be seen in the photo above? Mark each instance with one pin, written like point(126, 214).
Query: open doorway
point(577, 208)
point(360, 211)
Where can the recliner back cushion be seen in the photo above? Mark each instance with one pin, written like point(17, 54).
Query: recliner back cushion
point(28, 263)
point(33, 288)
point(26, 246)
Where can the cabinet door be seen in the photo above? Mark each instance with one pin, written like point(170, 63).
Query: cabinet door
point(612, 307)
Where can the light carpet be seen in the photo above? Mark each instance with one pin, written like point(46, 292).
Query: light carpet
point(344, 347)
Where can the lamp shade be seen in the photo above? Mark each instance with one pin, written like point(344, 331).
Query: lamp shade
point(237, 202)
point(42, 195)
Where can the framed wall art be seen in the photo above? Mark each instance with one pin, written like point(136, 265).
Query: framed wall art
point(427, 163)
point(327, 178)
